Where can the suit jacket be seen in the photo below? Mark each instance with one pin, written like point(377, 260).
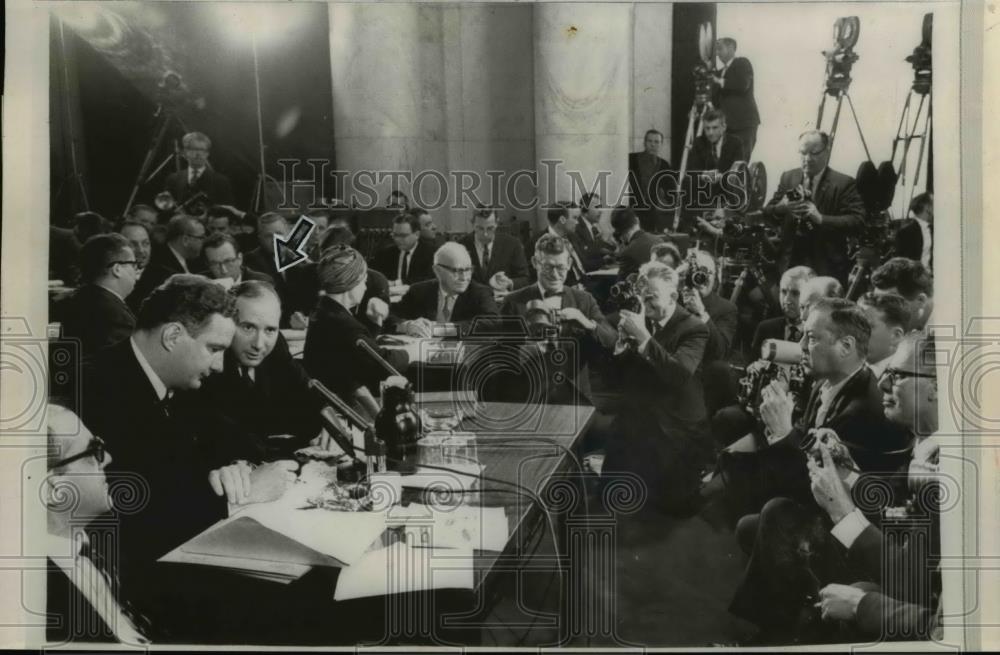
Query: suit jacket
point(591, 346)
point(721, 327)
point(636, 253)
point(215, 185)
point(156, 453)
point(332, 356)
point(909, 240)
point(64, 255)
point(237, 416)
point(386, 262)
point(645, 191)
point(593, 250)
point(703, 154)
point(823, 247)
point(95, 316)
point(735, 96)
point(297, 287)
point(421, 301)
point(162, 264)
point(75, 619)
point(507, 255)
point(248, 274)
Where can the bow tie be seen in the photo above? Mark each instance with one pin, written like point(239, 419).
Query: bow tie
point(552, 294)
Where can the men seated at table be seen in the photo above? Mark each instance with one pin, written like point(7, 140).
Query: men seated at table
point(635, 244)
point(225, 262)
point(331, 352)
point(563, 218)
point(259, 407)
point(296, 286)
point(140, 240)
point(913, 281)
point(96, 313)
point(658, 430)
point(889, 315)
point(82, 593)
point(451, 298)
point(409, 259)
point(498, 259)
point(852, 574)
point(588, 233)
point(182, 331)
point(184, 238)
point(572, 311)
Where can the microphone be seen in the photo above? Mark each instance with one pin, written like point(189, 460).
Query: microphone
point(337, 430)
point(363, 345)
point(333, 399)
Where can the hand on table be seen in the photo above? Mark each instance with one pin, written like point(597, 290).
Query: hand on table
point(232, 481)
point(839, 602)
point(242, 484)
point(501, 282)
point(377, 310)
point(298, 321)
point(418, 327)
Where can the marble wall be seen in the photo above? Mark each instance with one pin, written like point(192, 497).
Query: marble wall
point(484, 87)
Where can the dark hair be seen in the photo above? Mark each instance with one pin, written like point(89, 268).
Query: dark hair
point(823, 136)
point(908, 277)
point(135, 209)
point(920, 202)
point(254, 289)
point(622, 219)
point(97, 254)
point(131, 223)
point(892, 307)
point(178, 226)
point(268, 218)
point(404, 200)
point(727, 41)
point(484, 211)
point(558, 210)
point(88, 224)
point(219, 239)
point(713, 115)
point(190, 300)
point(587, 199)
point(660, 249)
point(653, 131)
point(336, 235)
point(549, 244)
point(408, 219)
point(419, 211)
point(847, 320)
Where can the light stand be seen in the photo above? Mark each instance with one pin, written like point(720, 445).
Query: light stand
point(75, 177)
point(263, 178)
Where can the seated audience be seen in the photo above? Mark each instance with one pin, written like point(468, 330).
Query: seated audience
point(296, 286)
point(259, 407)
point(563, 219)
point(225, 262)
point(452, 298)
point(913, 281)
point(331, 352)
point(185, 236)
point(139, 240)
point(596, 248)
point(199, 176)
point(409, 259)
point(635, 244)
point(889, 315)
point(182, 331)
point(96, 313)
point(82, 593)
point(498, 259)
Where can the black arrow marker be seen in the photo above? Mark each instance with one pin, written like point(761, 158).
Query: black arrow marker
point(288, 250)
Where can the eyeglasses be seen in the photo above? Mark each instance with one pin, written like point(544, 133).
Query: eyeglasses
point(561, 269)
point(456, 271)
point(894, 375)
point(95, 447)
point(813, 152)
point(124, 262)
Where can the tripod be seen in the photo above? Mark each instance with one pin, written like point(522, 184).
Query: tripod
point(259, 190)
point(701, 105)
point(166, 120)
point(921, 61)
point(75, 176)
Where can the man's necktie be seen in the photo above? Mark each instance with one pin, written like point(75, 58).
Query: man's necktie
point(595, 233)
point(245, 374)
point(404, 265)
point(793, 333)
point(486, 258)
point(446, 309)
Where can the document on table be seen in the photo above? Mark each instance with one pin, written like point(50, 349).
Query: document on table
point(464, 526)
point(399, 569)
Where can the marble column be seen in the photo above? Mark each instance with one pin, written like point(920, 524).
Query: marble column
point(651, 72)
point(583, 91)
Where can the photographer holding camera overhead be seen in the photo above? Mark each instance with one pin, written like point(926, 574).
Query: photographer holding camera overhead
point(819, 209)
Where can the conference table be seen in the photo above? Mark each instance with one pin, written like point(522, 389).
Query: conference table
point(528, 472)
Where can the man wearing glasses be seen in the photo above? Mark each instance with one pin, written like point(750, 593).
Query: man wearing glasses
point(819, 210)
point(96, 313)
point(225, 262)
point(185, 237)
point(452, 298)
point(409, 259)
point(199, 177)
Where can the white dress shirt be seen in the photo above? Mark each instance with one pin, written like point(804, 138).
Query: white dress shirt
point(925, 232)
point(827, 393)
point(154, 379)
point(179, 258)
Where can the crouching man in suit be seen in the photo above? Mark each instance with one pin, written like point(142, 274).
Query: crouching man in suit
point(659, 377)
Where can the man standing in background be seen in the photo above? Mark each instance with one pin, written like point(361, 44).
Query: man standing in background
point(735, 94)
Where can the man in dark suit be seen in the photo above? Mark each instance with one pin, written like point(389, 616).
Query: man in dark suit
point(498, 259)
point(185, 236)
point(635, 244)
point(815, 228)
point(452, 298)
point(788, 326)
point(428, 228)
point(649, 179)
point(139, 240)
point(588, 233)
point(331, 352)
point(734, 95)
point(714, 150)
point(199, 177)
point(81, 593)
point(297, 286)
point(910, 279)
point(96, 313)
point(663, 416)
point(64, 251)
point(182, 331)
point(259, 407)
point(409, 259)
point(225, 262)
point(563, 219)
point(578, 315)
point(915, 235)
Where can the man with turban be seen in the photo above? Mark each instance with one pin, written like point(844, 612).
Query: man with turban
point(331, 354)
